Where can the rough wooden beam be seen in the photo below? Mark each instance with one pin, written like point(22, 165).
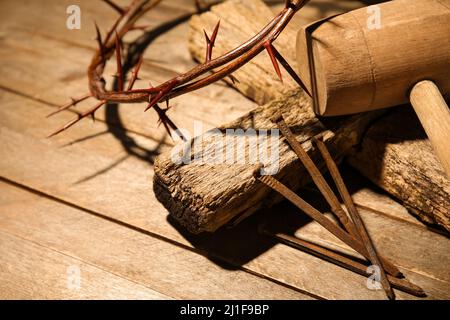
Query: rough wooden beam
point(397, 156)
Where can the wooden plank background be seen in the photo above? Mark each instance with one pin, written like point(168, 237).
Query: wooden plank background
point(85, 198)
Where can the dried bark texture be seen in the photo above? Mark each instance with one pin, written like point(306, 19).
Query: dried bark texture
point(204, 197)
point(397, 156)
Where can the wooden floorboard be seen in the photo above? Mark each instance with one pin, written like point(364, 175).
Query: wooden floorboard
point(211, 105)
point(92, 174)
point(65, 65)
point(68, 236)
point(31, 271)
point(98, 176)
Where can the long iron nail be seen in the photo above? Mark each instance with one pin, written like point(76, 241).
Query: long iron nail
point(316, 175)
point(360, 227)
point(322, 220)
point(342, 261)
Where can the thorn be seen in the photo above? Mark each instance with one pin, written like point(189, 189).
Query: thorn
point(122, 46)
point(233, 79)
point(214, 34)
point(270, 51)
point(142, 28)
point(167, 123)
point(148, 90)
point(80, 116)
point(295, 5)
point(114, 6)
point(290, 70)
point(208, 46)
point(100, 43)
point(167, 129)
point(211, 41)
point(155, 100)
point(134, 75)
point(208, 41)
point(114, 27)
point(168, 87)
point(70, 104)
point(198, 5)
point(119, 64)
point(163, 119)
point(98, 33)
point(66, 126)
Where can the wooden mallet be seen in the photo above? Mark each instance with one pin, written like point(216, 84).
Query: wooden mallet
point(382, 56)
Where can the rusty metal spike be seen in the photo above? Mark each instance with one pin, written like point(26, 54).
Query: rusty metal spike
point(354, 214)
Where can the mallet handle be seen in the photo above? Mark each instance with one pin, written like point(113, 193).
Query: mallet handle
point(434, 115)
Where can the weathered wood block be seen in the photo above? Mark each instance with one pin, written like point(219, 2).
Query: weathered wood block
point(204, 196)
point(397, 156)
